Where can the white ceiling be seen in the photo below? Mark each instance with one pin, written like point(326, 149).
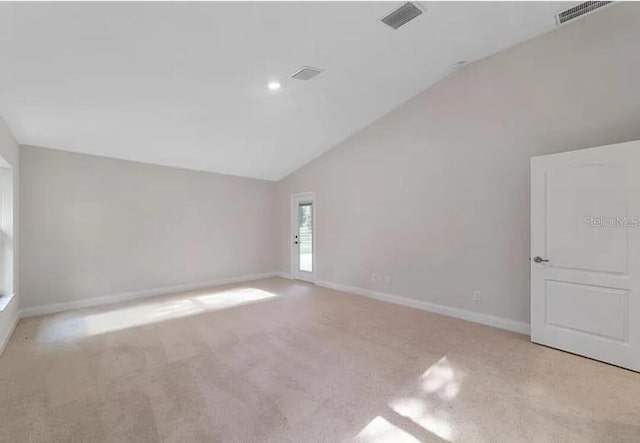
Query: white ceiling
point(184, 84)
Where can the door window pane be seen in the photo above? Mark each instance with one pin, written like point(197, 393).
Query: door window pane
point(305, 236)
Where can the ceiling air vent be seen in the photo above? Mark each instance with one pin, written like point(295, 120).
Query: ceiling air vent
point(306, 73)
point(578, 10)
point(401, 16)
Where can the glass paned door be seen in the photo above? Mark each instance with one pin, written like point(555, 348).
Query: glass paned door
point(303, 243)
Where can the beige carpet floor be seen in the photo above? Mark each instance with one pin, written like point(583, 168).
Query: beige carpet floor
point(275, 360)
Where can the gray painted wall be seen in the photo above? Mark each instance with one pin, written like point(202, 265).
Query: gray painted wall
point(436, 193)
point(94, 226)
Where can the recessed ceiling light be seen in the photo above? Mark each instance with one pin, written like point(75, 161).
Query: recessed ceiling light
point(274, 86)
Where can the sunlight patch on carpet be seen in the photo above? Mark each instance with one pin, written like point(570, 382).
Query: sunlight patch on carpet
point(69, 327)
point(380, 430)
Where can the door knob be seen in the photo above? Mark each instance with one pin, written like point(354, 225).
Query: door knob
point(539, 259)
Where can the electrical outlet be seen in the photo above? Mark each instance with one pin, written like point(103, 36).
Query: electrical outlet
point(477, 295)
point(388, 279)
point(374, 277)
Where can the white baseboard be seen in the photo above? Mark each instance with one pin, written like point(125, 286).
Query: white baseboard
point(284, 275)
point(136, 295)
point(476, 317)
point(5, 340)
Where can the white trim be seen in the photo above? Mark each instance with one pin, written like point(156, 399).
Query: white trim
point(4, 341)
point(5, 300)
point(476, 317)
point(136, 295)
point(284, 275)
point(309, 196)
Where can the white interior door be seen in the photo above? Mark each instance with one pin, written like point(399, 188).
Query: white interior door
point(303, 246)
point(585, 251)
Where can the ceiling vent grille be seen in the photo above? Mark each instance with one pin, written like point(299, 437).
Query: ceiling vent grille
point(401, 16)
point(578, 10)
point(306, 73)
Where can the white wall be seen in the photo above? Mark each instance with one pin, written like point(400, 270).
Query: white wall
point(436, 193)
point(96, 227)
point(9, 312)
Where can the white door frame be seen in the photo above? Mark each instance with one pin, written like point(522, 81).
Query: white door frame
point(302, 197)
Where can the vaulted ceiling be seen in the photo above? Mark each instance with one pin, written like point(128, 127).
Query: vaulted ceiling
point(185, 84)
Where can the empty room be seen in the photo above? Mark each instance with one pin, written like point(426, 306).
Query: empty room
point(364, 222)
